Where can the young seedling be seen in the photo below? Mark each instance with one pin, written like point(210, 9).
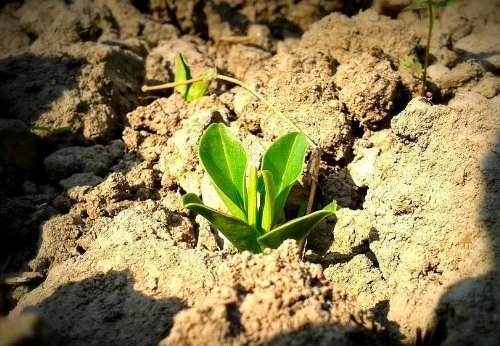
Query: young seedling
point(194, 91)
point(429, 5)
point(415, 66)
point(208, 76)
point(256, 203)
point(212, 74)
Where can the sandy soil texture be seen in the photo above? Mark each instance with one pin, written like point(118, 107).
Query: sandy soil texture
point(96, 248)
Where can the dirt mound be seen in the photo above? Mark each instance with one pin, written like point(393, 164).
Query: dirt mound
point(427, 227)
point(270, 299)
point(78, 86)
point(108, 294)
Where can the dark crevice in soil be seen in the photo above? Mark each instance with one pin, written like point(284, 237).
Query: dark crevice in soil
point(80, 250)
point(5, 2)
point(391, 329)
point(352, 7)
point(201, 27)
point(32, 36)
point(358, 131)
point(361, 192)
point(234, 317)
point(142, 5)
point(173, 19)
point(402, 98)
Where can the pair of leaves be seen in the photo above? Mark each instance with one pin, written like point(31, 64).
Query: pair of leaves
point(245, 237)
point(437, 4)
point(252, 224)
point(189, 92)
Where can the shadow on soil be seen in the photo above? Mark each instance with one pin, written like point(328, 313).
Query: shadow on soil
point(29, 84)
point(106, 310)
point(468, 314)
point(332, 335)
point(30, 87)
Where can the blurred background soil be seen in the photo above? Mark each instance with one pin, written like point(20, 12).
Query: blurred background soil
point(96, 249)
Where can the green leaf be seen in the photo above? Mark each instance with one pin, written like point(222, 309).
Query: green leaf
point(181, 74)
point(302, 210)
point(239, 233)
point(198, 89)
point(40, 128)
point(225, 161)
point(269, 198)
point(296, 229)
point(285, 159)
point(64, 129)
point(252, 197)
point(410, 63)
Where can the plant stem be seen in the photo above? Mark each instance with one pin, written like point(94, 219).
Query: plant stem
point(240, 83)
point(313, 168)
point(426, 62)
point(173, 84)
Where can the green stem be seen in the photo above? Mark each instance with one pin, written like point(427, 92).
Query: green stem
point(427, 48)
point(240, 83)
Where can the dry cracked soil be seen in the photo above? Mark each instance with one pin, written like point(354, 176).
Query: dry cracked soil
point(96, 248)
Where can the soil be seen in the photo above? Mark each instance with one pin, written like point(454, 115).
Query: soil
point(96, 248)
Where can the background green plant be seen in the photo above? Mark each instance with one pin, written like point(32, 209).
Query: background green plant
point(428, 6)
point(194, 91)
point(256, 203)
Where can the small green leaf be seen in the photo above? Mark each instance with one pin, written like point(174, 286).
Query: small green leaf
point(181, 74)
point(239, 233)
point(40, 128)
point(225, 161)
point(410, 63)
point(64, 129)
point(269, 198)
point(302, 210)
point(296, 229)
point(198, 89)
point(285, 159)
point(252, 197)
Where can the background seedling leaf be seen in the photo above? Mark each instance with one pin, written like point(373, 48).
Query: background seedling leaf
point(64, 129)
point(225, 161)
point(40, 128)
point(285, 159)
point(296, 229)
point(181, 74)
point(410, 63)
point(239, 233)
point(198, 89)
